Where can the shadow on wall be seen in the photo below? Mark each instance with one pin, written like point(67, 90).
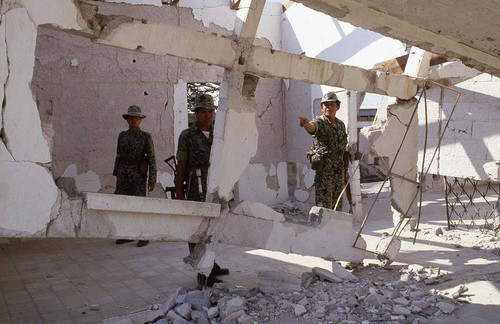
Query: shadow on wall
point(469, 139)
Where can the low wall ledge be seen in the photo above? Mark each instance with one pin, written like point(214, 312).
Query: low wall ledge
point(144, 205)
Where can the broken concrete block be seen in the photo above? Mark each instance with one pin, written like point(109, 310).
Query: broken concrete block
point(184, 310)
point(400, 310)
point(199, 316)
point(445, 307)
point(458, 291)
point(258, 210)
point(299, 309)
point(388, 248)
point(375, 300)
point(170, 303)
point(172, 315)
point(213, 312)
point(233, 317)
point(415, 268)
point(272, 282)
point(199, 299)
point(324, 274)
point(229, 306)
point(339, 271)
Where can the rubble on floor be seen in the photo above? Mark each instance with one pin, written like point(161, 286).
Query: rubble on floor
point(378, 295)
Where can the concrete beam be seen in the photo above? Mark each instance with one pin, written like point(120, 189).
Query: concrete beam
point(466, 30)
point(248, 18)
point(164, 39)
point(265, 62)
point(120, 203)
point(256, 226)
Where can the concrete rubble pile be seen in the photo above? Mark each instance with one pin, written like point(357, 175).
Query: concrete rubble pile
point(382, 295)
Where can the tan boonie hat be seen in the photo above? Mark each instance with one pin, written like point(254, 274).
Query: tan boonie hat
point(329, 96)
point(134, 111)
point(204, 100)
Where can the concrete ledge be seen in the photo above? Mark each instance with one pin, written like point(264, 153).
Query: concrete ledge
point(144, 205)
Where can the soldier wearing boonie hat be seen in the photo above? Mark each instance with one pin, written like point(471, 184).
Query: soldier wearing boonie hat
point(326, 155)
point(135, 156)
point(204, 100)
point(193, 157)
point(134, 111)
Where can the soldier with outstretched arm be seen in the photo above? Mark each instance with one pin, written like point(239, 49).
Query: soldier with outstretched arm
point(326, 155)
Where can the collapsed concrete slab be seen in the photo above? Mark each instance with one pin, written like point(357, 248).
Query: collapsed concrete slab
point(149, 218)
point(334, 230)
point(428, 27)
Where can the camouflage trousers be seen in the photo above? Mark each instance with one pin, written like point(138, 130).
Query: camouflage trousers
point(130, 181)
point(328, 184)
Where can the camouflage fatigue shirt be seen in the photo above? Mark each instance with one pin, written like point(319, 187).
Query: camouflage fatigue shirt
point(132, 150)
point(329, 138)
point(194, 149)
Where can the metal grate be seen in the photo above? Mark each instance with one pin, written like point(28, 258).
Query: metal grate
point(470, 203)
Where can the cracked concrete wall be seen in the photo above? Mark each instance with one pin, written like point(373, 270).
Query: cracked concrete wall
point(472, 139)
point(28, 192)
point(81, 89)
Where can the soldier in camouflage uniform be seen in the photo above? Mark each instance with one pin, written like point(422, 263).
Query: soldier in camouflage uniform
point(135, 154)
point(329, 141)
point(193, 161)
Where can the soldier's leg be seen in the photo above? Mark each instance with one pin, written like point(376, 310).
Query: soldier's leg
point(320, 190)
point(138, 184)
point(121, 183)
point(338, 185)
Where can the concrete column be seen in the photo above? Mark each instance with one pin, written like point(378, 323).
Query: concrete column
point(235, 134)
point(355, 182)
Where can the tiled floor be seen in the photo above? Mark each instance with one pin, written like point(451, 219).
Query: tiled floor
point(57, 280)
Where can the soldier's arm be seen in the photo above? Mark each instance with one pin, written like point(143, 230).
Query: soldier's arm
point(310, 127)
point(150, 151)
point(182, 157)
point(179, 179)
point(117, 159)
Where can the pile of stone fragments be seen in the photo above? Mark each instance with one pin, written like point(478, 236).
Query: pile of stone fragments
point(321, 296)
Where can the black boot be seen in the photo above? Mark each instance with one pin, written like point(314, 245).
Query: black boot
point(123, 241)
point(218, 271)
point(142, 243)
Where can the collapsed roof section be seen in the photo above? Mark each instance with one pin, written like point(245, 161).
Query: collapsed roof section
point(462, 29)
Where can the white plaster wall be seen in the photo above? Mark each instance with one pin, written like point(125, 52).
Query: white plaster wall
point(27, 195)
point(264, 183)
point(472, 138)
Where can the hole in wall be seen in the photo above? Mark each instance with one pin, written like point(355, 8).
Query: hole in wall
point(145, 93)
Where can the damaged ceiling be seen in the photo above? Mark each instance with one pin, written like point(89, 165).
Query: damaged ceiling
point(468, 30)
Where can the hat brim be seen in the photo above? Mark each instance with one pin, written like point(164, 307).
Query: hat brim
point(206, 106)
point(330, 100)
point(133, 115)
